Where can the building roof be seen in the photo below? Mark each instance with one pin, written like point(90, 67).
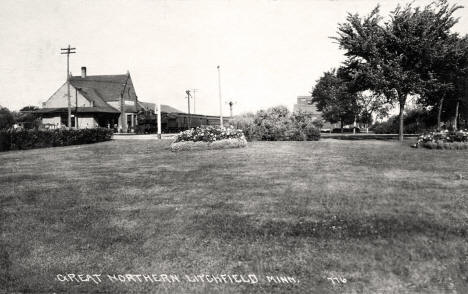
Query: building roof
point(147, 105)
point(169, 109)
point(98, 101)
point(105, 88)
point(164, 108)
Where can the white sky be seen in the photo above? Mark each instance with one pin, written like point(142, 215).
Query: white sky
point(269, 51)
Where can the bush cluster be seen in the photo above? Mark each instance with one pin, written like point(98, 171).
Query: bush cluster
point(209, 134)
point(415, 121)
point(454, 140)
point(278, 124)
point(29, 139)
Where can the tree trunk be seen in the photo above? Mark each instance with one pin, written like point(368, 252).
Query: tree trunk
point(354, 126)
point(439, 113)
point(455, 120)
point(400, 131)
point(341, 125)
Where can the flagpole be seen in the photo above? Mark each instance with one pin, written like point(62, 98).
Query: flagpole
point(220, 98)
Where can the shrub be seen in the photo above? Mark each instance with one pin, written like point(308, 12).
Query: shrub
point(245, 122)
point(306, 125)
point(279, 124)
point(415, 121)
point(29, 139)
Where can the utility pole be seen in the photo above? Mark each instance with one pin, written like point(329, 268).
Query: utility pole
point(76, 108)
point(188, 104)
point(220, 98)
point(194, 91)
point(123, 116)
point(68, 51)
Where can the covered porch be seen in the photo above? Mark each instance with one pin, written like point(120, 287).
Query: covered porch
point(81, 118)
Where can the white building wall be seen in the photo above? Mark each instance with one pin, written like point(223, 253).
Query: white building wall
point(52, 120)
point(87, 123)
point(59, 98)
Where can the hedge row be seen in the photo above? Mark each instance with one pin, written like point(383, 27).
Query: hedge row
point(30, 139)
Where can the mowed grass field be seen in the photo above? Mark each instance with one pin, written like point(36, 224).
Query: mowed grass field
point(381, 216)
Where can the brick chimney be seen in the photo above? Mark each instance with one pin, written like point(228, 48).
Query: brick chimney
point(83, 72)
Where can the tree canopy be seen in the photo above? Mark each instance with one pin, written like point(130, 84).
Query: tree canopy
point(6, 118)
point(401, 55)
point(334, 99)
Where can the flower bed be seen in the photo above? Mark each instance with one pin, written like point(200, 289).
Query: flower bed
point(444, 140)
point(446, 145)
point(203, 138)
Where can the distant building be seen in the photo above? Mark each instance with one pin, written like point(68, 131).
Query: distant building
point(304, 103)
point(95, 102)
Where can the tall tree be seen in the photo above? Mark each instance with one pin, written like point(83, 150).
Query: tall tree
point(6, 118)
point(444, 90)
point(397, 55)
point(368, 102)
point(334, 99)
point(461, 80)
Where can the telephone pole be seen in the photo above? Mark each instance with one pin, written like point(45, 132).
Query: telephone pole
point(188, 104)
point(68, 51)
point(231, 103)
point(194, 91)
point(123, 116)
point(220, 98)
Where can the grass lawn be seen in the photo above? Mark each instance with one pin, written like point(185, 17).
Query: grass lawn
point(383, 216)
